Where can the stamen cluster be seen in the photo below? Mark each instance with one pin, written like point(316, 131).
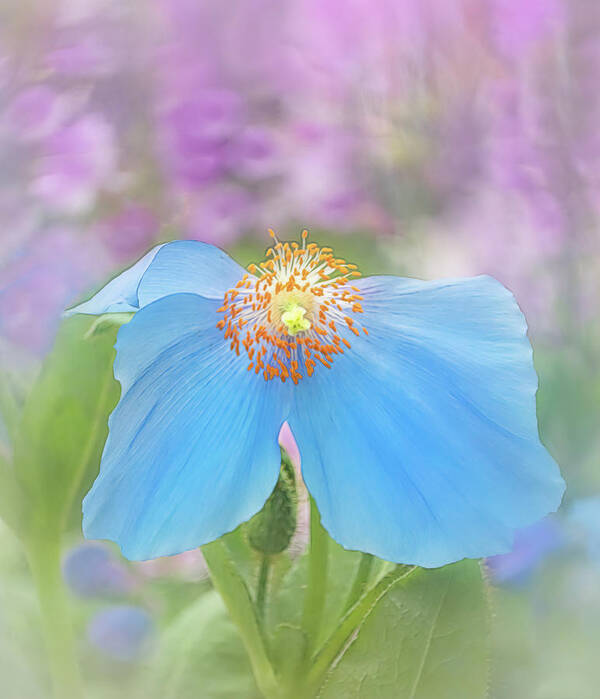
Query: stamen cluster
point(291, 311)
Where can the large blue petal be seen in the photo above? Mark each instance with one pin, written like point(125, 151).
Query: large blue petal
point(192, 449)
point(420, 444)
point(179, 267)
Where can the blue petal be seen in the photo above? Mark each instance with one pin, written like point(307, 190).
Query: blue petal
point(192, 450)
point(189, 266)
point(420, 444)
point(120, 294)
point(179, 267)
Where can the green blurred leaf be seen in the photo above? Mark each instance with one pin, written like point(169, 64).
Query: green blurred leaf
point(568, 408)
point(10, 407)
point(545, 635)
point(201, 655)
point(21, 651)
point(424, 638)
point(11, 399)
point(64, 425)
point(11, 497)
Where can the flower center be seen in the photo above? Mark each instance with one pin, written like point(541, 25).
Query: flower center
point(294, 319)
point(292, 311)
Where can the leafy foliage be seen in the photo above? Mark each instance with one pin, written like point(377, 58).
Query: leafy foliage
point(425, 638)
point(201, 655)
point(64, 426)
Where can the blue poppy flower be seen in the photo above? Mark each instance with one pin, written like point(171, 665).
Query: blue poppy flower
point(412, 402)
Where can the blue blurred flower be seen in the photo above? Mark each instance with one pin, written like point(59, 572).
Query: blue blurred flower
point(412, 402)
point(91, 571)
point(532, 546)
point(122, 632)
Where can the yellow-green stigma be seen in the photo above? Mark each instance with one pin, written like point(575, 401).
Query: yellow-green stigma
point(294, 320)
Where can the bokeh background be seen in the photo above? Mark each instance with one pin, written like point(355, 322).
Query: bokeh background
point(425, 138)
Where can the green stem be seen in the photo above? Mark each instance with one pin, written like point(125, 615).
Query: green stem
point(263, 579)
point(336, 643)
point(232, 588)
point(44, 561)
point(317, 578)
point(360, 581)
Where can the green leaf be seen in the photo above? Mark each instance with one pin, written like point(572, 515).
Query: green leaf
point(64, 425)
point(424, 638)
point(342, 568)
point(201, 655)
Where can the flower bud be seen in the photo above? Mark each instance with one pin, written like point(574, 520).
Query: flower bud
point(271, 530)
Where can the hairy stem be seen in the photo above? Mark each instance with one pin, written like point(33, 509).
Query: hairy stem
point(232, 588)
point(317, 579)
point(263, 581)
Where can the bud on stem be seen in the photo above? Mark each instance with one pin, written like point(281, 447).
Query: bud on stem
point(271, 530)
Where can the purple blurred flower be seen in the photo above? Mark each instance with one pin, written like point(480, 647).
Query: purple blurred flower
point(82, 54)
point(517, 26)
point(129, 232)
point(90, 570)
point(226, 116)
point(123, 633)
point(36, 111)
point(220, 214)
point(39, 282)
point(520, 162)
point(196, 130)
point(254, 154)
point(78, 161)
point(323, 180)
point(532, 546)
